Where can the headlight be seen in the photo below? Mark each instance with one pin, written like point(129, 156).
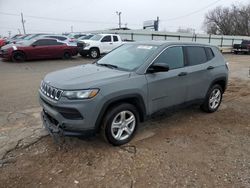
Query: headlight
point(86, 44)
point(81, 94)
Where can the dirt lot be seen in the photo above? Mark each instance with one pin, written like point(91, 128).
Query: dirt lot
point(187, 148)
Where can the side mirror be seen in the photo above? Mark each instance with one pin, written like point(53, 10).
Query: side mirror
point(158, 67)
point(34, 45)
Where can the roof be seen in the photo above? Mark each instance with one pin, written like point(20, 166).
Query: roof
point(167, 43)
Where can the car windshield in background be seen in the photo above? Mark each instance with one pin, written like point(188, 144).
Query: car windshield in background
point(96, 37)
point(85, 37)
point(128, 57)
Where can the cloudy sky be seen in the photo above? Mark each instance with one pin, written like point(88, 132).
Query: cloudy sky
point(57, 16)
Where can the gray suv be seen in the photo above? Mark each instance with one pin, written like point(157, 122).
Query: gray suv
point(128, 85)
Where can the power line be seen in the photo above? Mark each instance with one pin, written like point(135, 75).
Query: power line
point(63, 20)
point(58, 19)
point(194, 12)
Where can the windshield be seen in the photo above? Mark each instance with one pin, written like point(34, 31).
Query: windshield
point(129, 56)
point(96, 37)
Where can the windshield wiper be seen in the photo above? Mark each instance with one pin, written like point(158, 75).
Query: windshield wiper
point(107, 65)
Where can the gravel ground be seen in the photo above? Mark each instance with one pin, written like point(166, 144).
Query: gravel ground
point(187, 148)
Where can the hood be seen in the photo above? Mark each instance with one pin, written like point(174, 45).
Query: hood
point(84, 77)
point(7, 46)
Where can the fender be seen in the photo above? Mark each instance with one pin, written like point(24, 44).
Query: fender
point(223, 78)
point(107, 104)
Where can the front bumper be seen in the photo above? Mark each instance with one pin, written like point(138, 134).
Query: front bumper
point(83, 51)
point(64, 116)
point(5, 55)
point(56, 129)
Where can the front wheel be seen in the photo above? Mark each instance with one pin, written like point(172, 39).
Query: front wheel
point(18, 56)
point(120, 124)
point(213, 99)
point(94, 53)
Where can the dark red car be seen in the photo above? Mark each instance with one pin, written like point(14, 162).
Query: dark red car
point(2, 42)
point(44, 48)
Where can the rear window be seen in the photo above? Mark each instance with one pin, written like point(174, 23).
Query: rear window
point(196, 55)
point(115, 38)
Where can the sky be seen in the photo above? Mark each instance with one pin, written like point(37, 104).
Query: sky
point(57, 16)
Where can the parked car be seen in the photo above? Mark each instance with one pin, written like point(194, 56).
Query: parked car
point(87, 37)
point(243, 47)
point(130, 84)
point(61, 38)
point(74, 36)
point(2, 42)
point(14, 38)
point(99, 44)
point(44, 48)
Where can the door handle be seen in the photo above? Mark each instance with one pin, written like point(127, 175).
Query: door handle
point(111, 43)
point(210, 68)
point(182, 74)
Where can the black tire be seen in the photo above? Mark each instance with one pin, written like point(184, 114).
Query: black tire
point(94, 53)
point(18, 56)
point(206, 106)
point(107, 130)
point(67, 55)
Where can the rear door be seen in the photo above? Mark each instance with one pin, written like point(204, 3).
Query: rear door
point(116, 41)
point(199, 68)
point(167, 89)
point(106, 44)
point(55, 49)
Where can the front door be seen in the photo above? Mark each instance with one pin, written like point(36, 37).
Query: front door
point(106, 44)
point(166, 89)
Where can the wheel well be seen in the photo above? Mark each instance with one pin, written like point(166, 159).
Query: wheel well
point(19, 52)
point(67, 51)
point(137, 102)
point(95, 48)
point(222, 83)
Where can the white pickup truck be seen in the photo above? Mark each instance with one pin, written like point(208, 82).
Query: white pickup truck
point(98, 44)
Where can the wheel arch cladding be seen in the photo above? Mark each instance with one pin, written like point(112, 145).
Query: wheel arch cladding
point(134, 99)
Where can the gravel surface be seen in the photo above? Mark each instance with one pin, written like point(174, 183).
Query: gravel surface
point(185, 148)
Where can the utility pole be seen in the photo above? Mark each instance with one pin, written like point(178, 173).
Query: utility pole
point(119, 14)
point(9, 32)
point(71, 29)
point(23, 21)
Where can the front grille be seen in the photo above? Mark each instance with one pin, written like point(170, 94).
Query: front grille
point(80, 44)
point(50, 91)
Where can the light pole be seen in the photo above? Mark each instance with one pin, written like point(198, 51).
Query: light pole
point(119, 14)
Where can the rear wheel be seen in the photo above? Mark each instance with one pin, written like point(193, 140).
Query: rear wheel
point(94, 53)
point(120, 124)
point(67, 55)
point(213, 99)
point(18, 56)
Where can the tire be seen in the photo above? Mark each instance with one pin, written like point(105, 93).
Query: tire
point(18, 56)
point(67, 55)
point(213, 99)
point(94, 53)
point(120, 124)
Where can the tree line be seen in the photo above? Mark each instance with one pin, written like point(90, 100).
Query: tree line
point(233, 20)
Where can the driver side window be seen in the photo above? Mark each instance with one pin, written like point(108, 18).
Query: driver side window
point(106, 39)
point(172, 56)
